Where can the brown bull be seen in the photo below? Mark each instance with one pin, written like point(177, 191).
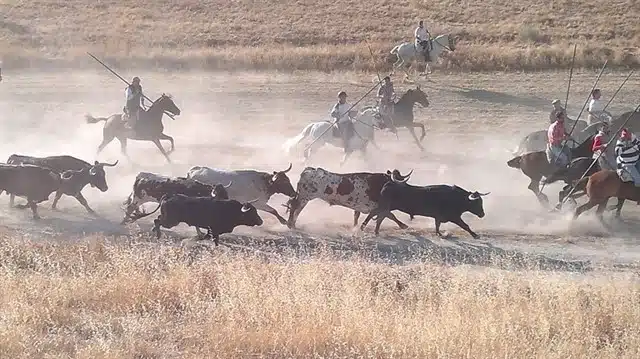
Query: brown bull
point(603, 185)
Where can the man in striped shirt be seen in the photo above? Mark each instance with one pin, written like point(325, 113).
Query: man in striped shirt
point(627, 156)
point(557, 154)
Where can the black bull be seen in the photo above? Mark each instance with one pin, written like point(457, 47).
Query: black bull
point(83, 173)
point(217, 216)
point(443, 203)
point(35, 183)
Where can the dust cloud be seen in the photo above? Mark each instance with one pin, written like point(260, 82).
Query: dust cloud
point(239, 121)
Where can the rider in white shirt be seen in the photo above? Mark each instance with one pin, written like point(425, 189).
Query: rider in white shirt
point(596, 108)
point(422, 36)
point(340, 112)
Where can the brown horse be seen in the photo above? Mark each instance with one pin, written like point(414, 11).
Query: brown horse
point(603, 185)
point(403, 113)
point(535, 165)
point(148, 127)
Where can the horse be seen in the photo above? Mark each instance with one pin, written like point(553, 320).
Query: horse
point(323, 132)
point(406, 52)
point(535, 165)
point(403, 113)
point(603, 185)
point(148, 127)
point(537, 140)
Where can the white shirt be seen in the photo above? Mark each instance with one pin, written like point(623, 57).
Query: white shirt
point(596, 106)
point(421, 33)
point(340, 111)
point(128, 94)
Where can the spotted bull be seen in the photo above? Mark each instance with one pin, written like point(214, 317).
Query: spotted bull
point(84, 174)
point(443, 203)
point(150, 187)
point(34, 183)
point(249, 185)
point(359, 191)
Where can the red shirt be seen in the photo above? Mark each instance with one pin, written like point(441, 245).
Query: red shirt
point(555, 133)
point(597, 142)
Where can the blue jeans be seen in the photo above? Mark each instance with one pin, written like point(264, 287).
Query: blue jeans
point(561, 157)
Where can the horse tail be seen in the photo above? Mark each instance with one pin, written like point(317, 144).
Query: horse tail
point(292, 142)
point(91, 119)
point(515, 163)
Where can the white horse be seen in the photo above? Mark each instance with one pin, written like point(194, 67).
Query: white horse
point(406, 52)
point(321, 133)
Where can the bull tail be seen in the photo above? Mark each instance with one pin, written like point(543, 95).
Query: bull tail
point(292, 142)
point(515, 163)
point(90, 119)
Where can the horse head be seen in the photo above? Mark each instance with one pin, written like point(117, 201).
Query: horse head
point(420, 96)
point(166, 104)
point(447, 41)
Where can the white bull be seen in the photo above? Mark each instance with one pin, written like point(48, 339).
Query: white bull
point(248, 185)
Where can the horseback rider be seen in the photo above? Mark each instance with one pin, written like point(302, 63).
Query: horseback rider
point(134, 102)
point(386, 96)
point(340, 112)
point(557, 107)
point(557, 136)
point(596, 108)
point(628, 155)
point(422, 40)
point(599, 147)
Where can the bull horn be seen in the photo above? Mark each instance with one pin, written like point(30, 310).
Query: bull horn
point(484, 194)
point(109, 164)
point(288, 169)
point(401, 179)
point(253, 201)
point(474, 196)
point(406, 177)
point(229, 185)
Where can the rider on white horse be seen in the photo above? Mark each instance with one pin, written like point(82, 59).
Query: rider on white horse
point(134, 102)
point(422, 40)
point(340, 112)
point(386, 97)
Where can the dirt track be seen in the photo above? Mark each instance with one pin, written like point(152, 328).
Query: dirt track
point(241, 120)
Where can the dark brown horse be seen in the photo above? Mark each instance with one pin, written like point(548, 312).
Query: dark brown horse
point(148, 128)
point(403, 113)
point(603, 185)
point(535, 166)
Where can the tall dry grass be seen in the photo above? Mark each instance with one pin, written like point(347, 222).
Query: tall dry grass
point(316, 35)
point(96, 299)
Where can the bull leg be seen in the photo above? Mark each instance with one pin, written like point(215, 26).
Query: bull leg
point(162, 150)
point(438, 223)
point(356, 216)
point(378, 223)
point(12, 198)
point(34, 209)
point(462, 224)
point(393, 217)
point(83, 201)
point(56, 199)
point(156, 227)
point(268, 208)
point(369, 217)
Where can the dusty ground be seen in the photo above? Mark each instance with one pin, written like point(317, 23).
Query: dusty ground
point(240, 121)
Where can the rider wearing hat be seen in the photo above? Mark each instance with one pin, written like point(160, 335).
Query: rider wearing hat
point(134, 102)
point(557, 107)
point(342, 115)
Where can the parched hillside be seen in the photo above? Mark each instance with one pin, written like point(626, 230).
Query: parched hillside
point(322, 35)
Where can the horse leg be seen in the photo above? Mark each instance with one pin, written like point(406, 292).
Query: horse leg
point(170, 139)
point(585, 207)
point(345, 157)
point(415, 138)
point(164, 153)
point(619, 207)
point(599, 211)
point(105, 142)
point(422, 129)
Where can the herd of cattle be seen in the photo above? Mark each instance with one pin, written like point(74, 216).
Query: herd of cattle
point(220, 200)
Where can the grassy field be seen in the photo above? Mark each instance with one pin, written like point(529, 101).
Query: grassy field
point(316, 35)
point(95, 299)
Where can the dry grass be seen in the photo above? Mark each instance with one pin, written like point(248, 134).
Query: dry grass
point(317, 35)
point(97, 299)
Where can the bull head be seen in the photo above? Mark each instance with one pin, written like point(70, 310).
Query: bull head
point(246, 208)
point(398, 178)
point(476, 195)
point(275, 173)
